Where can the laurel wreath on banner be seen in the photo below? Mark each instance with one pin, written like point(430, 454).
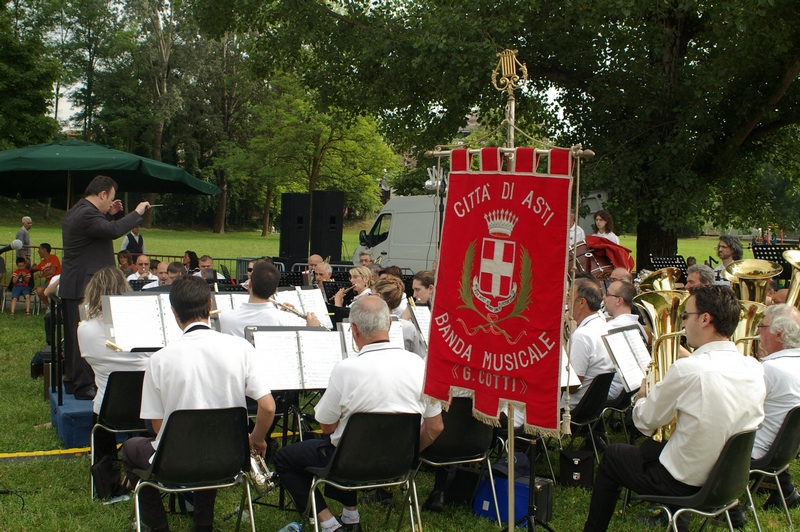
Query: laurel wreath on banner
point(520, 305)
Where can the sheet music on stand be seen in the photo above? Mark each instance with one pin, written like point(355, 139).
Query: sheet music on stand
point(300, 358)
point(348, 346)
point(312, 300)
point(421, 316)
point(140, 320)
point(568, 378)
point(222, 301)
point(629, 354)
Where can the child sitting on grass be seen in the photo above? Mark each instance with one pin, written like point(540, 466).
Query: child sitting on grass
point(20, 279)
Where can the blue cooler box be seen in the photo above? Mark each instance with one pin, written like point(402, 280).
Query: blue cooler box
point(543, 497)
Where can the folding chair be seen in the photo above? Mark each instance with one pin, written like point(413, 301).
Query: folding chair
point(465, 440)
point(589, 411)
point(621, 405)
point(119, 412)
point(726, 482)
point(783, 450)
point(200, 450)
point(377, 450)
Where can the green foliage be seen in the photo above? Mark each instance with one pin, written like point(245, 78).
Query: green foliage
point(26, 78)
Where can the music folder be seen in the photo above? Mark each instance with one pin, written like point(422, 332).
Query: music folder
point(300, 358)
point(629, 353)
point(348, 346)
point(421, 316)
point(140, 320)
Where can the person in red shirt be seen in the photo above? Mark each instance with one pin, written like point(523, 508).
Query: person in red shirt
point(47, 268)
point(20, 279)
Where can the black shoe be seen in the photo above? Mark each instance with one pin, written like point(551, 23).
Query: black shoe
point(738, 519)
point(774, 500)
point(658, 520)
point(353, 527)
point(376, 497)
point(435, 502)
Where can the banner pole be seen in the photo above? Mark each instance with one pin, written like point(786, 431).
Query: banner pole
point(511, 468)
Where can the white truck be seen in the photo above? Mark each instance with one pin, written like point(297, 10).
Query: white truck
point(405, 233)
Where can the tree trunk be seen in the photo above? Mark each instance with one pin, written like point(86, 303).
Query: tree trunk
point(265, 229)
point(47, 205)
point(651, 239)
point(222, 203)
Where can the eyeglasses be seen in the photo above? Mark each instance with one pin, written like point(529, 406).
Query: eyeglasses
point(249, 270)
point(612, 295)
point(762, 326)
point(686, 315)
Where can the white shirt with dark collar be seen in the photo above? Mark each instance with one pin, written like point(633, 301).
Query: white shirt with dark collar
point(716, 393)
point(782, 378)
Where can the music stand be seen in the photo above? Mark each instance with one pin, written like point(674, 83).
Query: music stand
point(675, 261)
point(775, 254)
point(291, 279)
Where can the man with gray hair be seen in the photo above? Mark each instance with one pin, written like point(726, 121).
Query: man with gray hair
point(780, 342)
point(24, 235)
point(365, 258)
point(382, 378)
point(699, 275)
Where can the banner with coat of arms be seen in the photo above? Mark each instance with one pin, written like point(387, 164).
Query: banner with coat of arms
point(497, 318)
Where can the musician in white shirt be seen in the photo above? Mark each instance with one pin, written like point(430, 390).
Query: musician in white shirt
point(717, 393)
point(260, 309)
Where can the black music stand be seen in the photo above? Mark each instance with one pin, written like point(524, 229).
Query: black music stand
point(291, 279)
point(775, 254)
point(675, 261)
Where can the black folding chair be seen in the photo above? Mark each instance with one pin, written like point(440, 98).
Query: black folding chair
point(726, 482)
point(376, 450)
point(119, 412)
point(620, 407)
point(589, 411)
point(465, 440)
point(783, 450)
point(200, 450)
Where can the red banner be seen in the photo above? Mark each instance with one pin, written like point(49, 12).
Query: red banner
point(497, 317)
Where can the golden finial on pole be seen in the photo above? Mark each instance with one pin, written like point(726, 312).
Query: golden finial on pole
point(505, 77)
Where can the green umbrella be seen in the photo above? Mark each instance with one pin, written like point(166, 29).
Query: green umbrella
point(45, 170)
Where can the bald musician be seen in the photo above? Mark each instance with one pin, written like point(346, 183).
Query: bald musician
point(259, 309)
point(382, 378)
point(717, 392)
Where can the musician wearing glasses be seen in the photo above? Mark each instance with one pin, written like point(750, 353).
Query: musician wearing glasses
point(618, 303)
point(204, 370)
point(381, 378)
point(780, 342)
point(715, 392)
point(260, 309)
point(588, 354)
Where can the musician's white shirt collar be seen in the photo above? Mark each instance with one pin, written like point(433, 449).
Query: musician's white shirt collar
point(202, 324)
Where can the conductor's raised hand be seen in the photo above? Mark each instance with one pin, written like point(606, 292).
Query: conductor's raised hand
point(142, 207)
point(116, 206)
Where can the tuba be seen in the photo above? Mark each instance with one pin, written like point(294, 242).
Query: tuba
point(660, 280)
point(662, 311)
point(750, 278)
point(746, 334)
point(792, 256)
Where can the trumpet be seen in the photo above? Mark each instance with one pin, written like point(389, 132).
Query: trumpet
point(334, 295)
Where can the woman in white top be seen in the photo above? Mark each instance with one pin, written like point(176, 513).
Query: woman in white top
point(361, 281)
point(604, 225)
point(92, 342)
point(391, 290)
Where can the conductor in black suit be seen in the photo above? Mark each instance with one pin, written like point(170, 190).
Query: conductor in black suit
point(88, 234)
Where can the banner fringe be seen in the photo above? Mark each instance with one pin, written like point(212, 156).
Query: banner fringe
point(540, 432)
point(483, 418)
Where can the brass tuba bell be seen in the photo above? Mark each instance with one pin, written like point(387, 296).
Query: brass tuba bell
point(663, 279)
point(750, 278)
point(746, 334)
point(792, 256)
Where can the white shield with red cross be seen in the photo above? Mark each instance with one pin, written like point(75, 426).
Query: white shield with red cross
point(497, 268)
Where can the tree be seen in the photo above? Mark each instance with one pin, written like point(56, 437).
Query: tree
point(26, 77)
point(670, 95)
